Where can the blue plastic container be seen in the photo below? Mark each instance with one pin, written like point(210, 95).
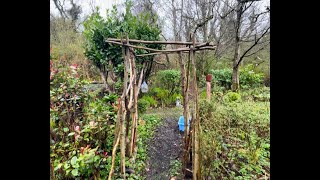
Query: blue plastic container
point(181, 123)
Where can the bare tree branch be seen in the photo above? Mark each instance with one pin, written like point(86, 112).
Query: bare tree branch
point(257, 50)
point(62, 12)
point(253, 45)
point(202, 23)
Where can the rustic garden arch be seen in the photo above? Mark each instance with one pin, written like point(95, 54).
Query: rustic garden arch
point(129, 100)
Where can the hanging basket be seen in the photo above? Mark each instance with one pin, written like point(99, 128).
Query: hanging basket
point(209, 78)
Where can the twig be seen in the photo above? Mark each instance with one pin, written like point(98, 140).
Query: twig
point(114, 156)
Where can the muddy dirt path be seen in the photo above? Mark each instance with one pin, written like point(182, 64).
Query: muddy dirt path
point(164, 147)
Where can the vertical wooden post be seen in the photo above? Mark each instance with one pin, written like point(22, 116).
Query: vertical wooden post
point(195, 154)
point(135, 107)
point(187, 132)
point(184, 89)
point(120, 127)
point(208, 90)
point(125, 53)
point(208, 80)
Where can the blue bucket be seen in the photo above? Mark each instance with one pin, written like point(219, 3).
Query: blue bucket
point(181, 123)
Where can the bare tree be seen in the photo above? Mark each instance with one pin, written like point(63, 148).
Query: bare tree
point(73, 13)
point(60, 6)
point(249, 30)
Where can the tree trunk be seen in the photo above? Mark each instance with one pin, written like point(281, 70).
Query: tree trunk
point(104, 79)
point(235, 72)
point(235, 79)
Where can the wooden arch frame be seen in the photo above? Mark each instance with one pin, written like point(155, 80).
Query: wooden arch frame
point(129, 99)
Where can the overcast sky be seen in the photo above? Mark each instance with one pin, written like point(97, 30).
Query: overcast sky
point(107, 4)
point(85, 5)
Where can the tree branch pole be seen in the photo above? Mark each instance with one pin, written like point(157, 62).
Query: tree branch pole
point(154, 42)
point(188, 133)
point(134, 112)
point(116, 142)
point(130, 104)
point(169, 50)
point(196, 163)
point(125, 52)
point(186, 51)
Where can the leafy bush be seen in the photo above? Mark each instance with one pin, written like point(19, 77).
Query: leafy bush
point(81, 128)
point(66, 97)
point(169, 80)
point(235, 140)
point(222, 77)
point(151, 100)
point(166, 87)
point(163, 96)
point(160, 95)
point(232, 97)
point(143, 105)
point(248, 78)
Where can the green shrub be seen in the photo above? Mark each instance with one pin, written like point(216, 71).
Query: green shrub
point(81, 128)
point(170, 83)
point(203, 94)
point(151, 100)
point(232, 97)
point(222, 77)
point(170, 80)
point(161, 95)
point(143, 105)
point(164, 97)
point(248, 78)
